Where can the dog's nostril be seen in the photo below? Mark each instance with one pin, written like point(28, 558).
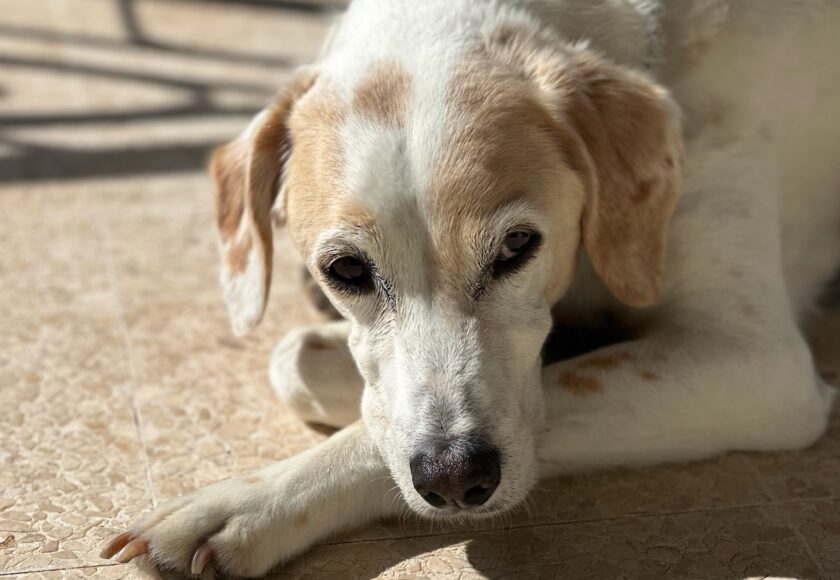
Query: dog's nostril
point(478, 495)
point(433, 499)
point(462, 474)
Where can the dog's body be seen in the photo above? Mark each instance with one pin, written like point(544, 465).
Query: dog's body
point(428, 125)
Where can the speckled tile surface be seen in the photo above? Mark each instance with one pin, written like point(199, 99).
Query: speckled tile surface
point(121, 384)
point(73, 469)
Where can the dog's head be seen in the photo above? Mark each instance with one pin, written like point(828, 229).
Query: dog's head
point(444, 222)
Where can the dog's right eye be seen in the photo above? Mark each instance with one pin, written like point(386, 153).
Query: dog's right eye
point(351, 273)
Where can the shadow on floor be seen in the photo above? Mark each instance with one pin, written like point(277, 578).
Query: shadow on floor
point(28, 162)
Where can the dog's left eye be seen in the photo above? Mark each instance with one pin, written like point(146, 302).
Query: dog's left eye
point(516, 248)
point(350, 273)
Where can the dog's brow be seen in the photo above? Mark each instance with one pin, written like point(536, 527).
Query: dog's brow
point(348, 236)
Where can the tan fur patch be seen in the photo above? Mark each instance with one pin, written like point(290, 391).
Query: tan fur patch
point(605, 361)
point(619, 132)
point(498, 151)
point(579, 384)
point(301, 519)
point(227, 167)
point(236, 256)
point(383, 94)
point(315, 167)
point(649, 376)
point(247, 172)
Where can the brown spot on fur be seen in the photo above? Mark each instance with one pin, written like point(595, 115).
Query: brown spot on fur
point(715, 116)
point(604, 362)
point(645, 189)
point(252, 479)
point(384, 93)
point(649, 376)
point(301, 519)
point(748, 310)
point(579, 384)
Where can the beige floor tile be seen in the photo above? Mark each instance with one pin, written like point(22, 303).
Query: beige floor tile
point(810, 474)
point(181, 341)
point(106, 572)
point(162, 239)
point(51, 253)
point(819, 523)
point(814, 473)
point(734, 543)
point(162, 236)
point(71, 467)
point(207, 408)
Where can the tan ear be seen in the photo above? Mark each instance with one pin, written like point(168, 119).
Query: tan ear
point(622, 133)
point(248, 174)
point(629, 129)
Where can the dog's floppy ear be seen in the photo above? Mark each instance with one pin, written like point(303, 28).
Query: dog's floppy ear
point(621, 131)
point(623, 134)
point(248, 173)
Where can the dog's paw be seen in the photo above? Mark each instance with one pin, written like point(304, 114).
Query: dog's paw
point(238, 524)
point(314, 374)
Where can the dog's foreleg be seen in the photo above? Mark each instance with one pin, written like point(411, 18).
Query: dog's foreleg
point(245, 526)
point(682, 393)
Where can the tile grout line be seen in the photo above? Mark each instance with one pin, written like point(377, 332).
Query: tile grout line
point(678, 512)
point(776, 506)
point(629, 516)
point(39, 570)
point(128, 358)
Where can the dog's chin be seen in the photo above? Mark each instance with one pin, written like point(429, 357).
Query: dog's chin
point(456, 516)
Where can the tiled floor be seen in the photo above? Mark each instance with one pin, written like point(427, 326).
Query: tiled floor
point(121, 384)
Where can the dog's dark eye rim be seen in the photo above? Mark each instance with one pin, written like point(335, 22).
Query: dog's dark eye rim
point(509, 259)
point(349, 272)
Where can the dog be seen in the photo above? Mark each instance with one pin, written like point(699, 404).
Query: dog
point(460, 176)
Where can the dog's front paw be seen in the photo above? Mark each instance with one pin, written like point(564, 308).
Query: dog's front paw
point(238, 524)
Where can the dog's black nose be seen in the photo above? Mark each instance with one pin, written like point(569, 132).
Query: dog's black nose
point(461, 474)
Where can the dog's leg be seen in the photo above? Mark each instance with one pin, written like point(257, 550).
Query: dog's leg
point(684, 392)
point(245, 526)
point(313, 372)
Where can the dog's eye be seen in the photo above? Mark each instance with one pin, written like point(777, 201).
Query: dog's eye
point(516, 248)
point(513, 245)
point(350, 272)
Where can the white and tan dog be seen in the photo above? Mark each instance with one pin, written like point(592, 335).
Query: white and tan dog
point(460, 175)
